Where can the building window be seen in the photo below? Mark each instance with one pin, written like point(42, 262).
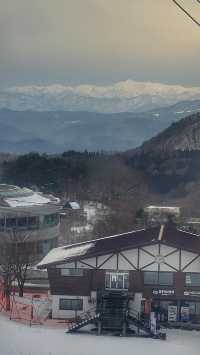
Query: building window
point(33, 222)
point(2, 223)
point(117, 280)
point(71, 304)
point(11, 222)
point(192, 279)
point(194, 308)
point(71, 272)
point(51, 219)
point(22, 222)
point(161, 278)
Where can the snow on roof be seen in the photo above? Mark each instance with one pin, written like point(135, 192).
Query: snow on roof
point(63, 253)
point(167, 208)
point(80, 229)
point(73, 205)
point(31, 200)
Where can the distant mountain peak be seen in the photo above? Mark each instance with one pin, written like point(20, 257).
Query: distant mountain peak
point(123, 96)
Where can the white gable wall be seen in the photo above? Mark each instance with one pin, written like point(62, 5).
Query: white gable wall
point(186, 258)
point(147, 258)
point(173, 259)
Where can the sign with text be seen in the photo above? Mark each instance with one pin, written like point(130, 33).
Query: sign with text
point(185, 313)
point(163, 292)
point(172, 313)
point(192, 293)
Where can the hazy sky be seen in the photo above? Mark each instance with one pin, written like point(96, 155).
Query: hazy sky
point(98, 41)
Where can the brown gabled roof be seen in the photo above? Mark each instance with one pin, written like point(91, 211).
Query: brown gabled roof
point(181, 239)
point(167, 234)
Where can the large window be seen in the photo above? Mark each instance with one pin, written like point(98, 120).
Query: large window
point(71, 304)
point(117, 280)
point(72, 272)
point(192, 279)
point(158, 278)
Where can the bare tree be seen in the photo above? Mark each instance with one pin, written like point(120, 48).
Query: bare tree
point(14, 259)
point(7, 273)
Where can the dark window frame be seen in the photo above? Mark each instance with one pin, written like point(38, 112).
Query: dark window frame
point(70, 272)
point(11, 222)
point(51, 219)
point(192, 284)
point(125, 280)
point(158, 282)
point(71, 304)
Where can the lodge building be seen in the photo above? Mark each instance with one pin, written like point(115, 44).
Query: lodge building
point(160, 265)
point(29, 217)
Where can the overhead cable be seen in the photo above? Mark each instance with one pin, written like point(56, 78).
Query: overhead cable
point(186, 12)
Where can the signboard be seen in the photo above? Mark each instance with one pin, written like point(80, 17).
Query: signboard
point(163, 292)
point(185, 313)
point(191, 293)
point(172, 313)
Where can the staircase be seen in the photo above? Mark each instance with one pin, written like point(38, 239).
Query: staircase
point(134, 319)
point(83, 319)
point(113, 310)
point(113, 313)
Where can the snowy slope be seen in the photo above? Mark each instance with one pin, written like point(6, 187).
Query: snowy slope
point(17, 339)
point(125, 96)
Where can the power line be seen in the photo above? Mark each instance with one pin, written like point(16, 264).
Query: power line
point(186, 12)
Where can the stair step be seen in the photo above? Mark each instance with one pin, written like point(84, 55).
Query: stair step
point(82, 323)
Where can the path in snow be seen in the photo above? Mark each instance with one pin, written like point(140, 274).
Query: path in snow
point(18, 339)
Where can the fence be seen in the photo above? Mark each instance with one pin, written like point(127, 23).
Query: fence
point(31, 308)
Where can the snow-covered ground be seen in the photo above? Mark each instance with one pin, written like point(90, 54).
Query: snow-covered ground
point(18, 339)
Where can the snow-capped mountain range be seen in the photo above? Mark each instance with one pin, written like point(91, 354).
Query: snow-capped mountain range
point(124, 96)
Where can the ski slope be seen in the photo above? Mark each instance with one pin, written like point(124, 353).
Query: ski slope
point(19, 339)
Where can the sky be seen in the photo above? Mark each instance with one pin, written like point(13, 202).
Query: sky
point(98, 41)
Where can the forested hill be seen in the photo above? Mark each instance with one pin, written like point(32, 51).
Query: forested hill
point(172, 158)
point(183, 135)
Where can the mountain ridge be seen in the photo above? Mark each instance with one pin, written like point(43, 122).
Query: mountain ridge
point(60, 131)
point(124, 96)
